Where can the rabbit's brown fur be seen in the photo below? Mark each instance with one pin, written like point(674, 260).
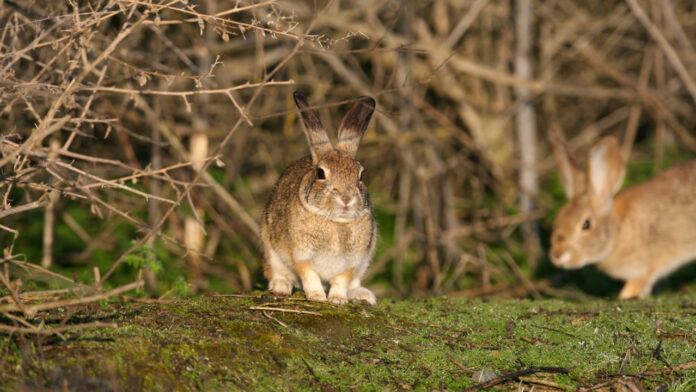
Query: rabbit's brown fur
point(318, 225)
point(640, 234)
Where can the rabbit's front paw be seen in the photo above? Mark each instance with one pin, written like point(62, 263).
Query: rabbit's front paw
point(318, 296)
point(280, 287)
point(337, 299)
point(362, 294)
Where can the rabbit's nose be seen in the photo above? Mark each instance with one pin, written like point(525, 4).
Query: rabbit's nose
point(561, 257)
point(346, 199)
point(556, 254)
point(558, 238)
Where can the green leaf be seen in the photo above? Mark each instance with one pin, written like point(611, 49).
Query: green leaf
point(181, 287)
point(144, 257)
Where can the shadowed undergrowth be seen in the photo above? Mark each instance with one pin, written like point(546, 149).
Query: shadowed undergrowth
point(259, 343)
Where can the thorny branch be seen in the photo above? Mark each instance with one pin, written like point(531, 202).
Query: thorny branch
point(74, 79)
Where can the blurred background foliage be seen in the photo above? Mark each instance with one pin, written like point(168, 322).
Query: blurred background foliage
point(141, 139)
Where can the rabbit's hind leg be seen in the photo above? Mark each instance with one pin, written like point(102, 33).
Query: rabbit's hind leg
point(279, 276)
point(636, 288)
point(357, 293)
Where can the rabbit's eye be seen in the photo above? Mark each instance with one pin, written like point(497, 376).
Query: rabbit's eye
point(586, 224)
point(360, 176)
point(320, 174)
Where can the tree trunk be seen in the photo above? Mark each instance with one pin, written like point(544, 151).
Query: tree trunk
point(194, 232)
point(526, 127)
point(50, 214)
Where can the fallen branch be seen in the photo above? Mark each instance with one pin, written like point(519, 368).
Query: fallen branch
point(31, 310)
point(57, 330)
point(35, 295)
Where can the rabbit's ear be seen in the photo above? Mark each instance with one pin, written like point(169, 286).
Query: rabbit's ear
point(317, 138)
point(605, 172)
point(572, 176)
point(354, 124)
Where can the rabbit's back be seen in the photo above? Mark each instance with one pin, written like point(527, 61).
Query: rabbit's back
point(288, 184)
point(658, 224)
point(277, 219)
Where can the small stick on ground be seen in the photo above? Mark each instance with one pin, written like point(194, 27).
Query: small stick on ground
point(541, 381)
point(515, 375)
point(274, 319)
point(399, 329)
point(459, 364)
point(285, 310)
point(311, 371)
point(237, 295)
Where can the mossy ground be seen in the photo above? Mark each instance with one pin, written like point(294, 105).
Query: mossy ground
point(221, 343)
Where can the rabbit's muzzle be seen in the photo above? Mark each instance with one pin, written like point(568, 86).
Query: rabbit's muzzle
point(562, 254)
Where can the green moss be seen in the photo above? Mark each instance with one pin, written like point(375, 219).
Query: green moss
point(220, 343)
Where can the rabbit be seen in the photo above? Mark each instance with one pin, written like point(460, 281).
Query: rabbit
point(318, 226)
point(638, 235)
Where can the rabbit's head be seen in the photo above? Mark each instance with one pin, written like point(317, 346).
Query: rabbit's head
point(583, 229)
point(334, 188)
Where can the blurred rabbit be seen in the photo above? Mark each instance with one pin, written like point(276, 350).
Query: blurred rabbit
point(638, 235)
point(318, 225)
